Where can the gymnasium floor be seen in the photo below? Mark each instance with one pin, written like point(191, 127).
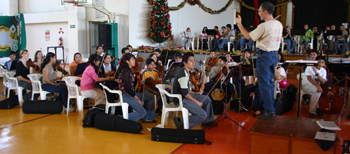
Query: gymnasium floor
point(46, 133)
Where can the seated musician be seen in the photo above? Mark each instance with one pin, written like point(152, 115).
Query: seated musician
point(215, 74)
point(22, 70)
point(201, 110)
point(109, 69)
point(73, 65)
point(173, 69)
point(8, 64)
point(99, 51)
point(313, 77)
point(38, 58)
point(87, 84)
point(210, 62)
point(246, 57)
point(134, 99)
point(49, 78)
point(280, 74)
point(124, 51)
point(229, 58)
point(177, 58)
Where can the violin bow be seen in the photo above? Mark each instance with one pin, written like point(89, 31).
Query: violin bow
point(100, 67)
point(212, 88)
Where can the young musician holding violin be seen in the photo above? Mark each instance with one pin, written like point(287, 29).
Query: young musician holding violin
point(198, 105)
point(229, 58)
point(73, 65)
point(22, 70)
point(246, 57)
point(124, 51)
point(38, 58)
point(219, 73)
point(87, 84)
point(49, 77)
point(313, 77)
point(109, 69)
point(134, 99)
point(210, 62)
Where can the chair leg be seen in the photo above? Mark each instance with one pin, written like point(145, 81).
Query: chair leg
point(80, 105)
point(125, 109)
point(8, 92)
point(185, 118)
point(163, 119)
point(20, 96)
point(68, 104)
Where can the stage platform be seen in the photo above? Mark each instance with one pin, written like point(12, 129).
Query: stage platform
point(285, 135)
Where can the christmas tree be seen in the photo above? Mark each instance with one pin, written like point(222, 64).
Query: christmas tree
point(160, 26)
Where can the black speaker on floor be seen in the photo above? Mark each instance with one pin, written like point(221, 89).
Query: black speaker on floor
point(105, 35)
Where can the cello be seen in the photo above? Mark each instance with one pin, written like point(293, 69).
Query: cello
point(330, 101)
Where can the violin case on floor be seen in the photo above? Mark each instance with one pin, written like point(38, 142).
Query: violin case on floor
point(9, 103)
point(115, 123)
point(89, 118)
point(179, 135)
point(42, 107)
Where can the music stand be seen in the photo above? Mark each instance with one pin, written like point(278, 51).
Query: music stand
point(225, 114)
point(211, 32)
point(300, 63)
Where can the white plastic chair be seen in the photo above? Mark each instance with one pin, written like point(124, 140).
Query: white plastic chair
point(283, 44)
point(8, 83)
point(14, 81)
point(302, 92)
point(36, 86)
point(229, 43)
point(125, 106)
point(209, 40)
point(74, 92)
point(192, 44)
point(171, 107)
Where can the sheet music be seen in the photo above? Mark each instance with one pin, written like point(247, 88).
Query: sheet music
point(326, 136)
point(302, 61)
point(330, 125)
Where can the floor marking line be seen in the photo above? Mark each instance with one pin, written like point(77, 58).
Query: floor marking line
point(26, 121)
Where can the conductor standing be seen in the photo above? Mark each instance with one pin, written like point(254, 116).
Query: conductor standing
point(268, 36)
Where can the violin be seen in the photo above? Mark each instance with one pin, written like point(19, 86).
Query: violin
point(139, 87)
point(109, 73)
point(150, 83)
point(30, 63)
point(220, 74)
point(330, 101)
point(213, 61)
point(196, 77)
point(59, 68)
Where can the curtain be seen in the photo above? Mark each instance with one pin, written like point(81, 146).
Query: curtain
point(248, 14)
point(320, 13)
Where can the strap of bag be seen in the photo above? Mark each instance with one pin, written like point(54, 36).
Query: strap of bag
point(207, 142)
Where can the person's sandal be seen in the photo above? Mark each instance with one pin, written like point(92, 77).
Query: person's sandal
point(152, 121)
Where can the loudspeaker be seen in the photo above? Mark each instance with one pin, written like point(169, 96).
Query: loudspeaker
point(105, 36)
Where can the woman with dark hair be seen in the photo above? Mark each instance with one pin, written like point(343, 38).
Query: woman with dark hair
point(109, 69)
point(134, 99)
point(49, 77)
point(38, 58)
point(203, 38)
point(73, 65)
point(281, 60)
point(87, 84)
point(99, 51)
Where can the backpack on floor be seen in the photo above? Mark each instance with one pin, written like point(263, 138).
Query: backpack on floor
point(42, 107)
point(115, 123)
point(282, 106)
point(9, 102)
point(292, 92)
point(89, 117)
point(218, 107)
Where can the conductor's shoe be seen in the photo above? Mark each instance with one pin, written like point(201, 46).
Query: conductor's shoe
point(265, 116)
point(319, 112)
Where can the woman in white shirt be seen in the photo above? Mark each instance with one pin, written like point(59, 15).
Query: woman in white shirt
point(203, 38)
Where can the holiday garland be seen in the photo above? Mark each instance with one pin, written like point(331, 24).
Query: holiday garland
point(209, 10)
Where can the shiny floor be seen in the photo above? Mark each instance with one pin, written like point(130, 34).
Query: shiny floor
point(43, 133)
